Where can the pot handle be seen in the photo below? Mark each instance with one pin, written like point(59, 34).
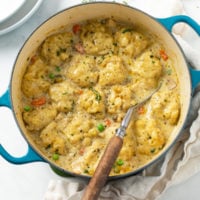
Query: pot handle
point(195, 74)
point(30, 156)
point(168, 23)
point(5, 99)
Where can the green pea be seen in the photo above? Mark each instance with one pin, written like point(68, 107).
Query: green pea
point(55, 156)
point(100, 127)
point(51, 76)
point(120, 162)
point(27, 108)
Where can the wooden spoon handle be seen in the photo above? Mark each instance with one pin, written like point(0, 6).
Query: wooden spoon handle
point(103, 169)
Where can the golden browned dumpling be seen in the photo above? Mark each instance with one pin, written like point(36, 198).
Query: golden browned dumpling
point(56, 49)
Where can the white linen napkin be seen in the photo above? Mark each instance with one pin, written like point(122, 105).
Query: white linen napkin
point(181, 162)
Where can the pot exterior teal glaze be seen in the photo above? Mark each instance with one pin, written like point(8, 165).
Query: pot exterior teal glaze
point(5, 99)
point(31, 156)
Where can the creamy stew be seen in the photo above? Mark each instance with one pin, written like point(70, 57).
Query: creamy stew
point(79, 85)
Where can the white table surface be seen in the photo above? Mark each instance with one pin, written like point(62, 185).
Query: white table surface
point(29, 181)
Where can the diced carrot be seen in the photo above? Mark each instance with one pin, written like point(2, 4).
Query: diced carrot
point(107, 122)
point(76, 28)
point(163, 55)
point(79, 47)
point(81, 152)
point(33, 59)
point(79, 92)
point(141, 110)
point(38, 102)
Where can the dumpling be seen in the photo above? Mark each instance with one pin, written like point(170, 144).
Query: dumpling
point(57, 48)
point(82, 70)
point(112, 71)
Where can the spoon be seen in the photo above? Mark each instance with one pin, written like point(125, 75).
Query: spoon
point(113, 148)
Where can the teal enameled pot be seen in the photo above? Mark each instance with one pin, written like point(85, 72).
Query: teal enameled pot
point(188, 77)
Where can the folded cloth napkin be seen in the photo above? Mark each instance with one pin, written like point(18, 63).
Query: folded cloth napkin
point(181, 162)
